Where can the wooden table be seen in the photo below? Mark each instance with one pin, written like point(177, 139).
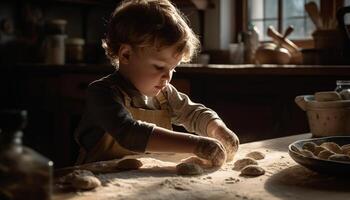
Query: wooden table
point(284, 179)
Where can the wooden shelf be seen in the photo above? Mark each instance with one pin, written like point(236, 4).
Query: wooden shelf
point(179, 3)
point(89, 2)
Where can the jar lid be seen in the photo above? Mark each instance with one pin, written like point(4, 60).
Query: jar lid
point(343, 82)
point(58, 21)
point(75, 41)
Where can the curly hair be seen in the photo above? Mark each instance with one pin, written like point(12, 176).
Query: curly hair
point(146, 23)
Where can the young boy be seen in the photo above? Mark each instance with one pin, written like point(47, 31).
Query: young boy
point(131, 110)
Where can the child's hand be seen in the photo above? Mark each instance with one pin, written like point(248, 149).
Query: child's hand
point(212, 150)
point(218, 130)
point(229, 139)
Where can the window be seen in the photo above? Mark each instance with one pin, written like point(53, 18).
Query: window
point(280, 14)
point(347, 16)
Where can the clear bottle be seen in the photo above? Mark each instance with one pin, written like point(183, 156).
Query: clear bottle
point(343, 88)
point(24, 173)
point(251, 43)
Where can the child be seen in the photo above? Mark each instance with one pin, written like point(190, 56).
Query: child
point(131, 110)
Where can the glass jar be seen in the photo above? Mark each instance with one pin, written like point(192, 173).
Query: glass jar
point(343, 88)
point(75, 50)
point(24, 173)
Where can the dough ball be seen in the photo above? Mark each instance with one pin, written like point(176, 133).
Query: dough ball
point(81, 179)
point(307, 153)
point(188, 169)
point(340, 157)
point(318, 149)
point(346, 149)
point(310, 146)
point(327, 96)
point(241, 163)
point(129, 164)
point(345, 146)
point(325, 154)
point(256, 155)
point(345, 94)
point(252, 170)
point(86, 182)
point(331, 146)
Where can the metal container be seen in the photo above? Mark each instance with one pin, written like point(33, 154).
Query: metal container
point(326, 118)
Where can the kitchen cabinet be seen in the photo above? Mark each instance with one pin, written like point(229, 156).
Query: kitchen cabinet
point(55, 102)
point(257, 102)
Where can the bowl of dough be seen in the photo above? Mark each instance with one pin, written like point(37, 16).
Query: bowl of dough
point(329, 155)
point(328, 113)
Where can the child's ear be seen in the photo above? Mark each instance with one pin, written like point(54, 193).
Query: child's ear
point(124, 53)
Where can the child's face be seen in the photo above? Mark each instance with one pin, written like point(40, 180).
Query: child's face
point(148, 69)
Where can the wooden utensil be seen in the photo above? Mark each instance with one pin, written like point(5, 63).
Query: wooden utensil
point(286, 43)
point(312, 10)
point(282, 40)
point(288, 31)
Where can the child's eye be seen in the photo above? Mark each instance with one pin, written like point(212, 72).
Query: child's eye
point(158, 67)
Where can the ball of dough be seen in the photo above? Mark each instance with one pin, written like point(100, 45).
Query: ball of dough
point(345, 94)
point(317, 150)
point(331, 146)
point(325, 154)
point(307, 153)
point(129, 164)
point(82, 179)
point(346, 149)
point(327, 96)
point(310, 146)
point(188, 169)
point(340, 157)
point(86, 182)
point(256, 155)
point(241, 163)
point(252, 170)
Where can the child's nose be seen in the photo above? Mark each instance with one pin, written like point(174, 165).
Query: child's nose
point(167, 75)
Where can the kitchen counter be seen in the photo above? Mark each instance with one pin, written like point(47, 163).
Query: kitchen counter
point(284, 179)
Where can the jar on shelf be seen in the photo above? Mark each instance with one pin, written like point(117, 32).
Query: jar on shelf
point(56, 27)
point(75, 50)
point(54, 42)
point(24, 173)
point(343, 88)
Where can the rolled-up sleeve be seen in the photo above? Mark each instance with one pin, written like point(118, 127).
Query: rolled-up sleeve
point(193, 116)
point(106, 109)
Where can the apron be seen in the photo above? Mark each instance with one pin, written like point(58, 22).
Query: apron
point(107, 148)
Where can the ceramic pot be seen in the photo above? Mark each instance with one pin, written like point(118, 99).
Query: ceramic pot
point(326, 118)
